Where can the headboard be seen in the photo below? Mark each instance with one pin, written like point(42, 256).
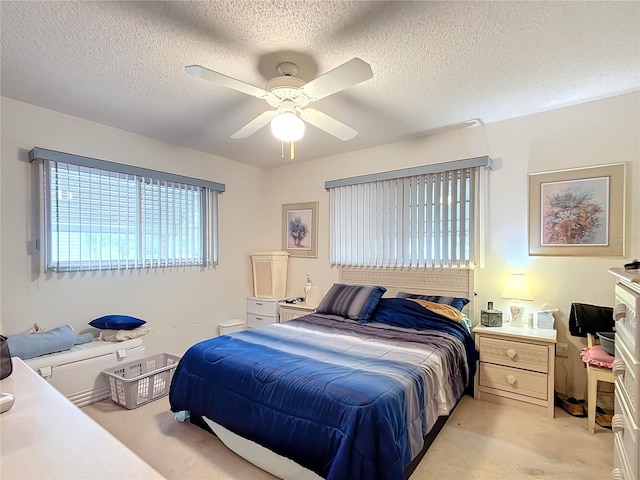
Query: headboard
point(446, 282)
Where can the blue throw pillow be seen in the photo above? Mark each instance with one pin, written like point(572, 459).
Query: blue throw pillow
point(356, 302)
point(116, 322)
point(456, 302)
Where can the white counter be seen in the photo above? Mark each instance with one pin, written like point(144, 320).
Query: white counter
point(45, 436)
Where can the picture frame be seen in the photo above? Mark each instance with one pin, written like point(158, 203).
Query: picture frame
point(300, 229)
point(578, 212)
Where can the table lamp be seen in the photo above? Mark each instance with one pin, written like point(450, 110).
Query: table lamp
point(517, 289)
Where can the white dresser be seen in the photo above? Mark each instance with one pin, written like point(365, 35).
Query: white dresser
point(626, 369)
point(262, 311)
point(516, 367)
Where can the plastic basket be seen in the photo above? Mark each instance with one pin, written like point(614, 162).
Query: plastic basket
point(134, 384)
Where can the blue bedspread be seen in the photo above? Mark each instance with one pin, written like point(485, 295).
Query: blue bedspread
point(343, 399)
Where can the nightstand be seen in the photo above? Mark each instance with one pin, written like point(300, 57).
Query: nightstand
point(289, 311)
point(516, 367)
point(262, 311)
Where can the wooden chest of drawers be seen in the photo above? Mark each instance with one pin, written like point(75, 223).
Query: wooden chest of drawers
point(516, 366)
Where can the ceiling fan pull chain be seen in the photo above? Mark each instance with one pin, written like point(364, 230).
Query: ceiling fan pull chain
point(281, 148)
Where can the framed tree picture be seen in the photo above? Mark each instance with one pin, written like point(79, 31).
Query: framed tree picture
point(577, 212)
point(300, 229)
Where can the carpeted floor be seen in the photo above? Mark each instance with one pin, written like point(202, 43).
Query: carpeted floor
point(480, 441)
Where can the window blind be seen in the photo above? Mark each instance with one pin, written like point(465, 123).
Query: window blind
point(121, 218)
point(421, 217)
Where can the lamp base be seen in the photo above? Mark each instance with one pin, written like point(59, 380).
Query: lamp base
point(517, 312)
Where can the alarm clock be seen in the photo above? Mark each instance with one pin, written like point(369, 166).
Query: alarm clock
point(491, 318)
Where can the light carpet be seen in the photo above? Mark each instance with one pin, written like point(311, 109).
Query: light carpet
point(480, 441)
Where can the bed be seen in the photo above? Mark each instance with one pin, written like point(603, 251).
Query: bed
point(338, 397)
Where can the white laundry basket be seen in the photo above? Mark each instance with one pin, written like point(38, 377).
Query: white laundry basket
point(137, 383)
point(269, 274)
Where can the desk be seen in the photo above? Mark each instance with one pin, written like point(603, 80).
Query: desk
point(45, 436)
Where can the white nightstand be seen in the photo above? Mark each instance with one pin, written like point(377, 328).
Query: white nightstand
point(262, 311)
point(516, 366)
point(289, 311)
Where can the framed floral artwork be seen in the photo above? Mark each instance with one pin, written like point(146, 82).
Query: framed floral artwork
point(300, 229)
point(577, 212)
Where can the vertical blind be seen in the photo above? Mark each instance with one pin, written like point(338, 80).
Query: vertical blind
point(106, 219)
point(417, 220)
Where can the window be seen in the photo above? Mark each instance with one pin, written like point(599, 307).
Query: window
point(104, 216)
point(419, 217)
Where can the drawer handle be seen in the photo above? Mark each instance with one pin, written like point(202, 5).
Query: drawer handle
point(616, 474)
point(258, 303)
point(618, 367)
point(259, 318)
point(617, 423)
point(512, 353)
point(511, 379)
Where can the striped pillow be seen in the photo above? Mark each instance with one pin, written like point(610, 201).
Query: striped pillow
point(356, 302)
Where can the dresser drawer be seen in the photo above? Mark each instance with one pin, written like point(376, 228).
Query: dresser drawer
point(515, 354)
point(626, 369)
point(626, 433)
point(287, 314)
point(621, 469)
point(257, 321)
point(625, 312)
point(260, 306)
point(531, 384)
point(290, 311)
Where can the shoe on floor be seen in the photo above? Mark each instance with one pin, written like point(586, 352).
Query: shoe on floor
point(603, 418)
point(571, 405)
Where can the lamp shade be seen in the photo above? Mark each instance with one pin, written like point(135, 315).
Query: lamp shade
point(287, 127)
point(517, 288)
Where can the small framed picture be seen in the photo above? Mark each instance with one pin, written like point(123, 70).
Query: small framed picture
point(577, 212)
point(300, 229)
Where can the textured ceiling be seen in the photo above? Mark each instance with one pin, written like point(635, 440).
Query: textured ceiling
point(434, 64)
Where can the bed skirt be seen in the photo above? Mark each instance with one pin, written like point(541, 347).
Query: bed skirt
point(283, 467)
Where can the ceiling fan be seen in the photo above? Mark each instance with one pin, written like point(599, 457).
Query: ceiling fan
point(290, 95)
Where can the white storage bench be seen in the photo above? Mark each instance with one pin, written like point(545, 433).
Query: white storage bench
point(77, 373)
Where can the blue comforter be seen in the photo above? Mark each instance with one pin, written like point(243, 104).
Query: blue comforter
point(343, 399)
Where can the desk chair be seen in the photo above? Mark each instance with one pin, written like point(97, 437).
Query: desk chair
point(595, 374)
point(584, 321)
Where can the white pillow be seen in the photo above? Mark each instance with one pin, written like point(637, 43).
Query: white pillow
point(122, 335)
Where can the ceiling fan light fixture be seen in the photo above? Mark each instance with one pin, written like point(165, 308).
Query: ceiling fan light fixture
point(287, 127)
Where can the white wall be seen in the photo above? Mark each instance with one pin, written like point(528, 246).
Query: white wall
point(181, 306)
point(595, 133)
point(184, 306)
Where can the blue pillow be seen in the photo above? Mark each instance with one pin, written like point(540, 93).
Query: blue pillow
point(455, 302)
point(356, 302)
point(116, 322)
point(402, 312)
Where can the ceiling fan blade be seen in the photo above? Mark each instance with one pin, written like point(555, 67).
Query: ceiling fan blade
point(346, 75)
point(225, 81)
point(329, 124)
point(256, 124)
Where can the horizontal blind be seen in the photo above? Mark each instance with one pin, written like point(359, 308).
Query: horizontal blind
point(421, 220)
point(97, 219)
